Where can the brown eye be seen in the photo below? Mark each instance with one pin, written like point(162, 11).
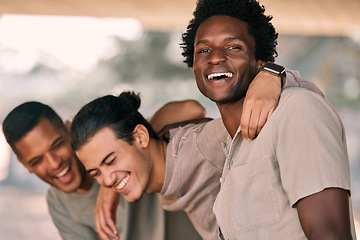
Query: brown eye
point(204, 51)
point(234, 47)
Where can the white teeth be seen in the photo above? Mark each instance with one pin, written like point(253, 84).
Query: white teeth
point(123, 182)
point(213, 75)
point(63, 172)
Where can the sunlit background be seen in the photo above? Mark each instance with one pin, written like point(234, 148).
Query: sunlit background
point(67, 61)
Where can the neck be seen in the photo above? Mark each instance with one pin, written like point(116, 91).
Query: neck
point(231, 115)
point(157, 154)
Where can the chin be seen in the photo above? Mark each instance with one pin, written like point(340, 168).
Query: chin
point(73, 187)
point(133, 197)
point(68, 190)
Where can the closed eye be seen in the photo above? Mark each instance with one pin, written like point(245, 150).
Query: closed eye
point(95, 173)
point(111, 162)
point(57, 143)
point(35, 161)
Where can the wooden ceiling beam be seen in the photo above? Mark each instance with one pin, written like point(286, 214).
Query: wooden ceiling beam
point(309, 17)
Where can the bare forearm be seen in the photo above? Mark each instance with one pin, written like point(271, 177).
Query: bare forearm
point(174, 112)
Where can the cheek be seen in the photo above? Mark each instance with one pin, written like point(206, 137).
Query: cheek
point(197, 64)
point(63, 152)
point(197, 75)
point(40, 170)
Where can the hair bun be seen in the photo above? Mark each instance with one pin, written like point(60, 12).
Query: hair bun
point(130, 101)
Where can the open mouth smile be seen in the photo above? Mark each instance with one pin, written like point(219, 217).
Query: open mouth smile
point(219, 76)
point(122, 183)
point(63, 172)
point(65, 176)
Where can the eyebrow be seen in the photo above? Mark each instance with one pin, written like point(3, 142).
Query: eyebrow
point(201, 41)
point(102, 162)
point(226, 39)
point(233, 38)
point(52, 144)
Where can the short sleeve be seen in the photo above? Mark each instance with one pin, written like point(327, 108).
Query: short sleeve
point(310, 146)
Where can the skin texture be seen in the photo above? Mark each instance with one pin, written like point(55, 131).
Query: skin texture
point(323, 215)
point(111, 160)
point(46, 152)
point(105, 213)
point(320, 219)
point(260, 102)
point(222, 45)
point(217, 51)
point(175, 112)
point(108, 200)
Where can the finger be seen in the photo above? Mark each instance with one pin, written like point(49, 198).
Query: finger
point(102, 234)
point(98, 226)
point(245, 119)
point(103, 228)
point(107, 224)
point(263, 117)
point(271, 112)
point(110, 219)
point(253, 122)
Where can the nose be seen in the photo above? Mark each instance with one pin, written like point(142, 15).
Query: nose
point(217, 56)
point(53, 160)
point(108, 178)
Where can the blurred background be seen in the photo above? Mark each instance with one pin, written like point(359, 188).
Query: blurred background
point(66, 53)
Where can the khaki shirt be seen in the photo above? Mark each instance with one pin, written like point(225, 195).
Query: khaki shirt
point(73, 215)
point(194, 164)
point(300, 151)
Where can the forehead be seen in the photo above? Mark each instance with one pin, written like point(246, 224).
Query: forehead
point(221, 24)
point(98, 147)
point(41, 136)
point(45, 129)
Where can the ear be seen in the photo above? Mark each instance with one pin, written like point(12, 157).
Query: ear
point(26, 166)
point(141, 136)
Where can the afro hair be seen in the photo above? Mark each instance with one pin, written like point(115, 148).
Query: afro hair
point(248, 11)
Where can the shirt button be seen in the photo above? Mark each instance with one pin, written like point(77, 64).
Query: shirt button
point(221, 179)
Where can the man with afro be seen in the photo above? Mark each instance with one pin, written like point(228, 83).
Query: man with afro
point(293, 180)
